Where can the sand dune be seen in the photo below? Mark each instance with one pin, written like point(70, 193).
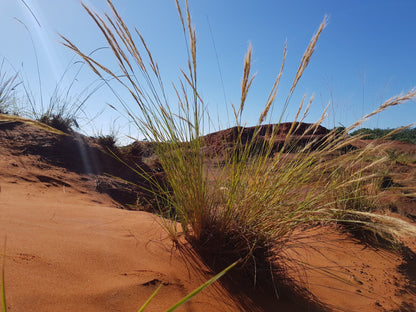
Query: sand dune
point(71, 248)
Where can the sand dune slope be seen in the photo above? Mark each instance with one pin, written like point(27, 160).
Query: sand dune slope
point(68, 251)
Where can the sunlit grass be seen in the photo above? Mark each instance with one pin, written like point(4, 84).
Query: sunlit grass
point(260, 196)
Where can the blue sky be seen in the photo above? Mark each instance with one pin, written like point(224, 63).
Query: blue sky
point(364, 56)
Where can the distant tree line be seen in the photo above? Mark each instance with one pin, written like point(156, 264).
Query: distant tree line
point(408, 135)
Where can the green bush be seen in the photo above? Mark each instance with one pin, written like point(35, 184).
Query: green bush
point(406, 135)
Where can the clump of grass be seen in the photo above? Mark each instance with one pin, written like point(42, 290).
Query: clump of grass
point(64, 108)
point(8, 84)
point(107, 141)
point(35, 123)
point(58, 121)
point(256, 201)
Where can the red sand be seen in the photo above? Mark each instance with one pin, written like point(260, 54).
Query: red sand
point(70, 248)
point(68, 251)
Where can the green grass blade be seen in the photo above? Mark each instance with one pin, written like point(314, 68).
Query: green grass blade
point(202, 287)
point(150, 298)
point(3, 289)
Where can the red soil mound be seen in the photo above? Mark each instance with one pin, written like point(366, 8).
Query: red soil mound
point(221, 142)
point(82, 155)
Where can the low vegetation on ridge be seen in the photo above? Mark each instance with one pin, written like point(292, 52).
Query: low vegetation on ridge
point(406, 135)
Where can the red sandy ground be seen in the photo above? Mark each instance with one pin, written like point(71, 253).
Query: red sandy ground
point(70, 248)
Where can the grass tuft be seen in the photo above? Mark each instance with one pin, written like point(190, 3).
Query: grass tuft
point(8, 84)
point(270, 186)
point(107, 141)
point(59, 122)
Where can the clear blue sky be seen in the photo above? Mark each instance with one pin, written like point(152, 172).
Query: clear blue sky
point(364, 56)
